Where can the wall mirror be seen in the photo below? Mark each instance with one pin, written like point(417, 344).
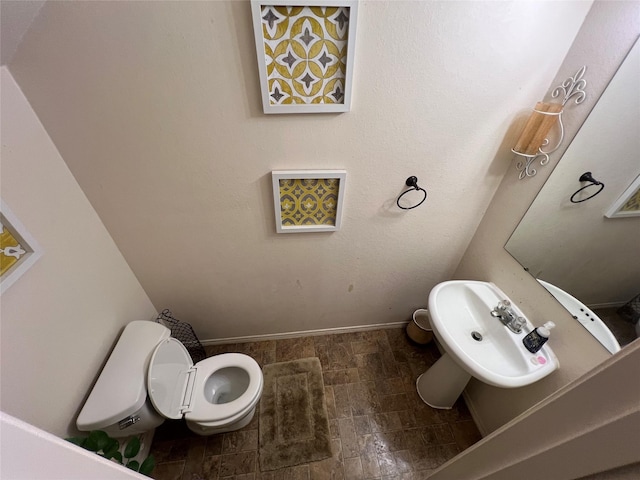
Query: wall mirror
point(573, 247)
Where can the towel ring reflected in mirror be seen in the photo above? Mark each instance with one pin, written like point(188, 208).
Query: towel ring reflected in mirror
point(587, 177)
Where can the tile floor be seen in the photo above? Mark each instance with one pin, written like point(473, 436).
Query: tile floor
point(622, 328)
point(380, 428)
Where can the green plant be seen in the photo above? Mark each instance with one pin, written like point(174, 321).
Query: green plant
point(101, 443)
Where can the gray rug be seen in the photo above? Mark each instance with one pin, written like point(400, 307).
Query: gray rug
point(294, 426)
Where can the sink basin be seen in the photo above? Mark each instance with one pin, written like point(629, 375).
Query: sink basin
point(477, 344)
point(587, 318)
point(459, 308)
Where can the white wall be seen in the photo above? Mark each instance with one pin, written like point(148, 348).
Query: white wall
point(163, 129)
point(61, 318)
point(56, 459)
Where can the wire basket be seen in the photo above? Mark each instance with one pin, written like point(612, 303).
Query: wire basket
point(184, 333)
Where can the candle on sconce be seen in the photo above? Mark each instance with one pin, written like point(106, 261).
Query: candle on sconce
point(543, 117)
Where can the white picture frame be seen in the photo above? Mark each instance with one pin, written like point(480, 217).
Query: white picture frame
point(628, 203)
point(301, 47)
point(18, 246)
point(308, 201)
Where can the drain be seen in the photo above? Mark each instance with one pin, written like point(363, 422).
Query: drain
point(476, 336)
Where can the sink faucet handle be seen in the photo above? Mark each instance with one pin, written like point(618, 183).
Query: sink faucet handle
point(503, 305)
point(519, 323)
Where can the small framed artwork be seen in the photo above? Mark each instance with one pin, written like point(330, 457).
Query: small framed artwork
point(627, 204)
point(18, 249)
point(308, 200)
point(305, 52)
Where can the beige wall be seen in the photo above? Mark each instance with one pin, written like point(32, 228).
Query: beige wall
point(574, 246)
point(61, 318)
point(588, 427)
point(605, 38)
point(120, 114)
point(155, 107)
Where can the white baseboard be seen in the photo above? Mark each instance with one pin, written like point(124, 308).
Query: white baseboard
point(474, 414)
point(304, 333)
point(606, 305)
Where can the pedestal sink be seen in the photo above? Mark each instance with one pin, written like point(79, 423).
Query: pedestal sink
point(477, 344)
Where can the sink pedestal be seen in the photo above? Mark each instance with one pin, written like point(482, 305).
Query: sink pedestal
point(441, 385)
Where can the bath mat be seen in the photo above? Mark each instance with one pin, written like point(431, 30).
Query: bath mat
point(294, 426)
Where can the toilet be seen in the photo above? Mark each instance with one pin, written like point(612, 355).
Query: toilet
point(150, 377)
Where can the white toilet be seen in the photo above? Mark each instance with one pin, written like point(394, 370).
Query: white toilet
point(150, 376)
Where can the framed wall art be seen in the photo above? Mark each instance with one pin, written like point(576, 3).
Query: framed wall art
point(627, 204)
point(305, 51)
point(18, 249)
point(308, 200)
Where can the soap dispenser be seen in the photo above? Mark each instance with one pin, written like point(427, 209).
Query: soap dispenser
point(537, 337)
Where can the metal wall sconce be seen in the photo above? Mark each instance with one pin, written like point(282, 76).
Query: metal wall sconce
point(533, 140)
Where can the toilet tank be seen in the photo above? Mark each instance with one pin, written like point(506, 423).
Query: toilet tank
point(121, 389)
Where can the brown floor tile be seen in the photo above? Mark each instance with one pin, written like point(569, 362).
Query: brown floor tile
point(299, 472)
point(435, 456)
point(353, 468)
point(366, 346)
point(394, 403)
point(390, 441)
point(348, 438)
point(407, 418)
point(465, 433)
point(390, 386)
point(385, 422)
point(339, 377)
point(336, 449)
point(329, 469)
point(342, 403)
point(214, 445)
point(336, 356)
point(162, 450)
point(369, 456)
point(334, 430)
point(211, 467)
point(362, 425)
point(330, 400)
point(404, 463)
point(379, 426)
point(363, 398)
point(238, 463)
point(294, 348)
point(240, 441)
point(168, 470)
point(193, 467)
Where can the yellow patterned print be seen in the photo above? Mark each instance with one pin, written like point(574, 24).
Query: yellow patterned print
point(10, 250)
point(305, 51)
point(309, 201)
point(633, 204)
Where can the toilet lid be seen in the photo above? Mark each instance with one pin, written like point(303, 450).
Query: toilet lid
point(170, 375)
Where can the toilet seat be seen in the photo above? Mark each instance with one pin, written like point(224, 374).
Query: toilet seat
point(204, 411)
point(176, 385)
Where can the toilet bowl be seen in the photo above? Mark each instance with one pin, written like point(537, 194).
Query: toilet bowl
point(150, 376)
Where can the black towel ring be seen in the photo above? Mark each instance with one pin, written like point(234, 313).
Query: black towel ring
point(586, 177)
point(412, 182)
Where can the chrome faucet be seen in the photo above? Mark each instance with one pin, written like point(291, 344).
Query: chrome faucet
point(508, 316)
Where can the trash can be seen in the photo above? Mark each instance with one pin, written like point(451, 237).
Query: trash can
point(419, 329)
